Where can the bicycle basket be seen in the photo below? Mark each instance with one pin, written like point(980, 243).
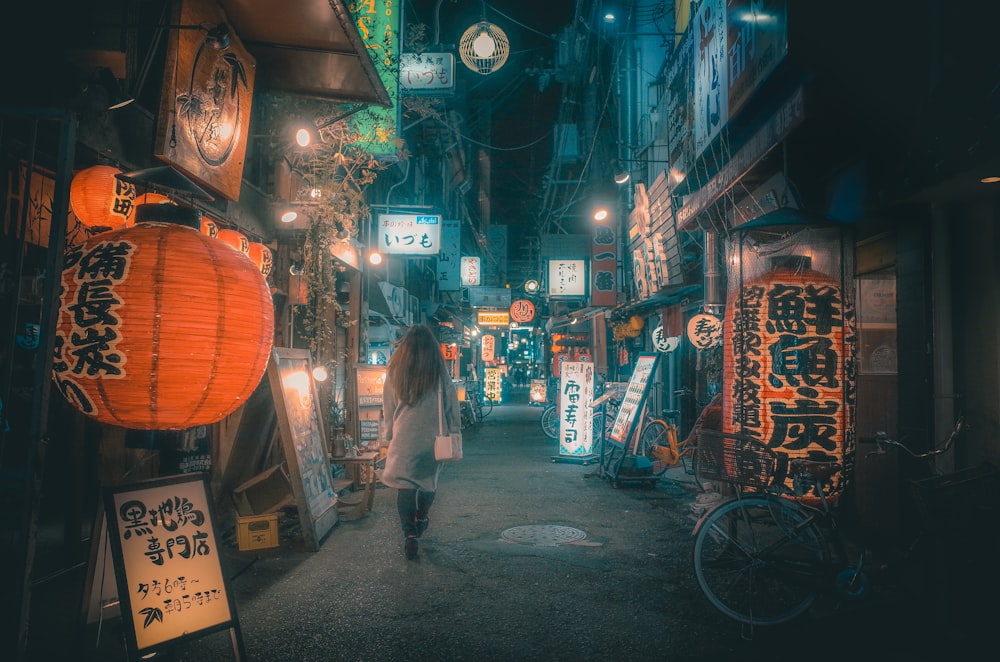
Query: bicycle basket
point(956, 500)
point(734, 458)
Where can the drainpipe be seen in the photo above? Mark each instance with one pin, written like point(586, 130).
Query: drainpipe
point(710, 268)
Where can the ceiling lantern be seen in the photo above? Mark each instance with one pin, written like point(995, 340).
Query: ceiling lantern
point(160, 327)
point(234, 239)
point(788, 371)
point(484, 47)
point(100, 199)
point(261, 256)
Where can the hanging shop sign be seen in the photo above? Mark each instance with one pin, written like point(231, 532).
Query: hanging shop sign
point(493, 318)
point(567, 278)
point(604, 267)
point(449, 351)
point(522, 311)
point(663, 343)
point(488, 345)
point(409, 234)
point(168, 564)
point(377, 127)
point(576, 395)
point(471, 271)
point(704, 331)
point(426, 72)
point(449, 275)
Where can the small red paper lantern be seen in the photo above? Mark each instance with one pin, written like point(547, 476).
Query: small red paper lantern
point(160, 328)
point(261, 256)
point(236, 239)
point(100, 199)
point(209, 228)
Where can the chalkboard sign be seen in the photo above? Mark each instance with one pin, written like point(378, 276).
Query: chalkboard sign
point(634, 399)
point(167, 563)
point(304, 442)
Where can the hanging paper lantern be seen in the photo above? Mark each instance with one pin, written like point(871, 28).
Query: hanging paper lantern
point(209, 228)
point(100, 199)
point(160, 327)
point(261, 256)
point(786, 364)
point(147, 199)
point(236, 239)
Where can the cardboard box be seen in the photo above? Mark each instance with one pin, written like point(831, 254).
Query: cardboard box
point(257, 532)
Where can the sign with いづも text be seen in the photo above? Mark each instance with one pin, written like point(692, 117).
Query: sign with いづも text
point(409, 234)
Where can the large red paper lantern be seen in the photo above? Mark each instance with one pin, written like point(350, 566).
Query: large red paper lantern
point(100, 199)
point(160, 327)
point(786, 364)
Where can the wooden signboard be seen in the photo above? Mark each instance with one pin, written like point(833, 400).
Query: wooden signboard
point(634, 399)
point(304, 442)
point(167, 563)
point(369, 380)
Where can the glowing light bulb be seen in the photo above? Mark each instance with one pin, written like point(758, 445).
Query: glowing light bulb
point(484, 46)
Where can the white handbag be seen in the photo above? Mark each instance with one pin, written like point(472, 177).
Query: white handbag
point(447, 447)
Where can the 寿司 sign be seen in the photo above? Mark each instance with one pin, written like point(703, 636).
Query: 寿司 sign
point(409, 234)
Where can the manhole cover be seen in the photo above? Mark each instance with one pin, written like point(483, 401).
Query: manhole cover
point(542, 534)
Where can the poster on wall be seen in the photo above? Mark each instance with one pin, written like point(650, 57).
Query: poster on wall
point(168, 566)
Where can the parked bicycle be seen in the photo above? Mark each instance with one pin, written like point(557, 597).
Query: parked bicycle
point(475, 406)
point(763, 557)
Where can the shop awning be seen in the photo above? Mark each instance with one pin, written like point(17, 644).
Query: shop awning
point(310, 48)
point(575, 317)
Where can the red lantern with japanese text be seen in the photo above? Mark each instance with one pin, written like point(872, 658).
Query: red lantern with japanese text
point(100, 199)
point(235, 239)
point(161, 327)
point(788, 371)
point(261, 256)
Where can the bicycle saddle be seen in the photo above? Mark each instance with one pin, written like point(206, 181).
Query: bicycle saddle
point(818, 469)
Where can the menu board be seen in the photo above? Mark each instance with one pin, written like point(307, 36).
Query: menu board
point(304, 442)
point(167, 563)
point(369, 379)
point(634, 399)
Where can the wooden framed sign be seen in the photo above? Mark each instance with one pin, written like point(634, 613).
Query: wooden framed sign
point(304, 441)
point(634, 399)
point(167, 563)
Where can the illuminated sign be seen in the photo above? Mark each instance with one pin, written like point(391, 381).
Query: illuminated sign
point(378, 25)
point(576, 394)
point(409, 234)
point(522, 311)
point(489, 344)
point(567, 278)
point(493, 318)
point(471, 271)
point(427, 72)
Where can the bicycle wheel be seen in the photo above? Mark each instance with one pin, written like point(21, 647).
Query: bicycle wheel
point(657, 433)
point(487, 407)
point(756, 559)
point(550, 422)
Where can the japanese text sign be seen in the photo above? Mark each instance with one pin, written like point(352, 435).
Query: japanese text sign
point(634, 399)
point(449, 258)
point(576, 394)
point(427, 72)
point(493, 318)
point(409, 234)
point(167, 562)
point(567, 278)
point(471, 271)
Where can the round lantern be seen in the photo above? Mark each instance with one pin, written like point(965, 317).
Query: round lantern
point(100, 199)
point(147, 199)
point(160, 327)
point(209, 228)
point(788, 371)
point(261, 256)
point(235, 239)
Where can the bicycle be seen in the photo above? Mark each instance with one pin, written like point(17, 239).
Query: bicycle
point(764, 558)
point(474, 407)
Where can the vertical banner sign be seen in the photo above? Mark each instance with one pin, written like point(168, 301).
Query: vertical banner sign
point(785, 365)
point(378, 25)
point(449, 257)
point(711, 105)
point(167, 563)
point(604, 267)
point(634, 399)
point(493, 384)
point(488, 350)
point(471, 272)
point(576, 416)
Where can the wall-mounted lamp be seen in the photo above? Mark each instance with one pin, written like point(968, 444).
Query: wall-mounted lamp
point(374, 258)
point(309, 134)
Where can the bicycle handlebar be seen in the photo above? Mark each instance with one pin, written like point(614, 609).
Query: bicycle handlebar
point(882, 440)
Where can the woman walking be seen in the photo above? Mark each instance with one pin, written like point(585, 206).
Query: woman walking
point(416, 375)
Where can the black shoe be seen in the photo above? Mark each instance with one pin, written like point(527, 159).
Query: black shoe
point(421, 526)
point(410, 547)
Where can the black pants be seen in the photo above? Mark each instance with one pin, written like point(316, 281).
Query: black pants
point(412, 505)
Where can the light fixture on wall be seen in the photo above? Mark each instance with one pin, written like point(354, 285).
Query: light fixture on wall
point(309, 134)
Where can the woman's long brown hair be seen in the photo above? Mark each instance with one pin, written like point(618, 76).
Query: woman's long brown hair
point(417, 365)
